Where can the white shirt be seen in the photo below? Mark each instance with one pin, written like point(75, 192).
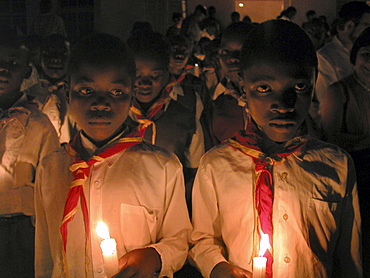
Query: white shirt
point(334, 64)
point(139, 193)
point(315, 211)
point(25, 139)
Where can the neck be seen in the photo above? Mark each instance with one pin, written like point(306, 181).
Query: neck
point(8, 100)
point(345, 40)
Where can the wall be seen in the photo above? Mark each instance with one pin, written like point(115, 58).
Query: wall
point(225, 7)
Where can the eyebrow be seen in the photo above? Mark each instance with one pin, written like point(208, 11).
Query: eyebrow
point(84, 79)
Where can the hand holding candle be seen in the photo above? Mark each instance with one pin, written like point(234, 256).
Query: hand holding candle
point(259, 263)
point(109, 249)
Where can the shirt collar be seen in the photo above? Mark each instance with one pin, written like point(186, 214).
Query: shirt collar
point(91, 148)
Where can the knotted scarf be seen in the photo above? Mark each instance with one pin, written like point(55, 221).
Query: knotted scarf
point(248, 142)
point(81, 169)
point(148, 118)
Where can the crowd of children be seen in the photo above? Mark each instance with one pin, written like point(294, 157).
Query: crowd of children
point(191, 150)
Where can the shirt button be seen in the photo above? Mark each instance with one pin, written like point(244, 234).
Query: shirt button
point(96, 184)
point(287, 259)
point(99, 269)
point(285, 216)
point(284, 175)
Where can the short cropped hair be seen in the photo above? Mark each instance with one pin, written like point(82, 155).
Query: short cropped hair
point(353, 11)
point(101, 50)
point(361, 41)
point(152, 46)
point(180, 40)
point(278, 40)
point(237, 31)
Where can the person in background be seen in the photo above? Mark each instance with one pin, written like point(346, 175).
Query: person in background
point(190, 26)
point(176, 27)
point(26, 136)
point(227, 114)
point(288, 14)
point(166, 117)
point(48, 23)
point(345, 119)
point(107, 173)
point(235, 17)
point(272, 181)
point(334, 57)
point(50, 91)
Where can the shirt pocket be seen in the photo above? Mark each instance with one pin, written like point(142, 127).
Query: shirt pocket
point(325, 198)
point(137, 226)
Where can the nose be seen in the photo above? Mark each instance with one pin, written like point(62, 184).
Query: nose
point(234, 57)
point(100, 103)
point(144, 81)
point(56, 61)
point(284, 102)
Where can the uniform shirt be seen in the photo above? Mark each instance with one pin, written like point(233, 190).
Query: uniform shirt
point(52, 102)
point(315, 212)
point(334, 64)
point(138, 193)
point(26, 136)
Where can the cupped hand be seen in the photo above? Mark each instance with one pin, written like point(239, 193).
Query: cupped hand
point(139, 263)
point(226, 270)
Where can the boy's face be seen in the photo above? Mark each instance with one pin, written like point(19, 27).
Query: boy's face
point(13, 69)
point(179, 57)
point(278, 97)
point(99, 99)
point(229, 54)
point(362, 66)
point(54, 60)
point(151, 77)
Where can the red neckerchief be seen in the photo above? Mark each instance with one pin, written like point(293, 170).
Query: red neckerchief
point(148, 118)
point(248, 142)
point(81, 169)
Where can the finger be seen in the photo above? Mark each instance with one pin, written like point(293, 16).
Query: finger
point(126, 272)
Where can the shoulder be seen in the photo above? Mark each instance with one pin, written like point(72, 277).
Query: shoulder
point(319, 150)
point(145, 152)
point(56, 161)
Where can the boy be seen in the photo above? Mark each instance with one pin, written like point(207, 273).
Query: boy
point(135, 188)
point(228, 115)
point(50, 91)
point(272, 179)
point(166, 120)
point(26, 136)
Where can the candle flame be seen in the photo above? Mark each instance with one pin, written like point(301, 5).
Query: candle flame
point(264, 244)
point(102, 230)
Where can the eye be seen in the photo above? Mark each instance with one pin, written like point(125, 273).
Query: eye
point(366, 55)
point(117, 92)
point(263, 89)
point(85, 91)
point(156, 76)
point(224, 52)
point(300, 87)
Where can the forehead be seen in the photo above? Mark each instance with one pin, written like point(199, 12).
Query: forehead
point(12, 51)
point(231, 44)
point(277, 70)
point(93, 73)
point(149, 63)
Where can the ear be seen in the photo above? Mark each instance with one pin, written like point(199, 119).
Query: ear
point(28, 72)
point(349, 26)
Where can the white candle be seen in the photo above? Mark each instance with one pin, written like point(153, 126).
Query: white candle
point(259, 263)
point(109, 249)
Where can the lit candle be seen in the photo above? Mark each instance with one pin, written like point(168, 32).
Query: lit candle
point(109, 250)
point(259, 263)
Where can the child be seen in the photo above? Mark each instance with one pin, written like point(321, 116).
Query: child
point(228, 115)
point(26, 136)
point(135, 188)
point(50, 91)
point(271, 179)
point(190, 90)
point(165, 120)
